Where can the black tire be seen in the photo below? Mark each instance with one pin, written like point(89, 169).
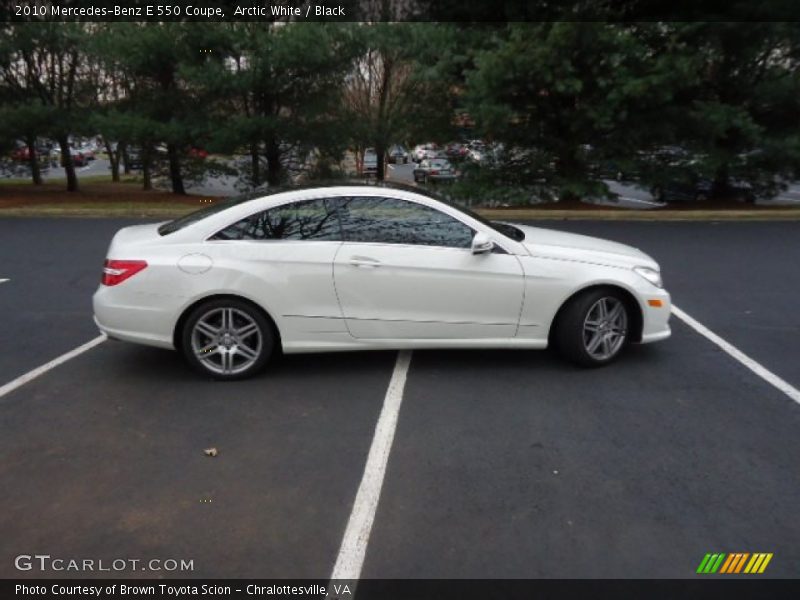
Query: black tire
point(569, 337)
point(241, 313)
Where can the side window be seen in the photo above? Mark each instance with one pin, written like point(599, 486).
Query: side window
point(393, 221)
point(305, 220)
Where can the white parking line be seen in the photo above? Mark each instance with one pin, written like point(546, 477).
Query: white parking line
point(4, 280)
point(748, 362)
point(356, 536)
point(31, 375)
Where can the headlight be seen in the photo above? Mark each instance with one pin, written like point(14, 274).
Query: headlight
point(651, 275)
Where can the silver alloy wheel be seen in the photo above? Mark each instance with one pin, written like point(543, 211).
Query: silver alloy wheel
point(226, 340)
point(605, 328)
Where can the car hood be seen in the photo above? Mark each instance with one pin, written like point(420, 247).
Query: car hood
point(549, 243)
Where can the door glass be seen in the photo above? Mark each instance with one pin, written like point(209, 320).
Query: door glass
point(306, 220)
point(394, 221)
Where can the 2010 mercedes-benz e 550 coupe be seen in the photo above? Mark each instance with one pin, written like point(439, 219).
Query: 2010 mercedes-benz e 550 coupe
point(370, 267)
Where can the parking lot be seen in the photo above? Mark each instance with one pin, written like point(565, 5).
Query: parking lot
point(504, 464)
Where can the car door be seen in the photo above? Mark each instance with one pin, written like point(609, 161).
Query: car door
point(406, 271)
point(283, 256)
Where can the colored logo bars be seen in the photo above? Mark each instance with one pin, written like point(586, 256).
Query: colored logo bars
point(734, 563)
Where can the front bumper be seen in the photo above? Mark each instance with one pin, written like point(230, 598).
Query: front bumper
point(655, 319)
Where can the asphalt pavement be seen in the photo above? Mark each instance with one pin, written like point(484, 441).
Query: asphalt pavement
point(515, 465)
point(53, 267)
point(105, 458)
point(504, 463)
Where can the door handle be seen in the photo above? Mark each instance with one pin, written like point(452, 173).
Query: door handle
point(364, 261)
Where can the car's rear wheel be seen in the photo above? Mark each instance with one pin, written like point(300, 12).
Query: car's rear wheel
point(227, 339)
point(592, 330)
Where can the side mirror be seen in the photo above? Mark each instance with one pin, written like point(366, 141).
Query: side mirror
point(481, 244)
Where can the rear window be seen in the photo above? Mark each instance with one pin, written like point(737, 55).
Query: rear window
point(305, 220)
point(204, 212)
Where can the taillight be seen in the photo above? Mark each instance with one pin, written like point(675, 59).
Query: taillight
point(117, 271)
point(434, 172)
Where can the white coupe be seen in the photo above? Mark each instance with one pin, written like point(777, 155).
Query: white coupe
point(370, 267)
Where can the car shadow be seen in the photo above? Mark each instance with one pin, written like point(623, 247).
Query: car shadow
point(167, 366)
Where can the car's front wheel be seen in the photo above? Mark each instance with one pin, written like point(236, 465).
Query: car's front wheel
point(227, 339)
point(592, 330)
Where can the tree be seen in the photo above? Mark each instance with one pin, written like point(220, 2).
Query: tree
point(562, 97)
point(158, 104)
point(280, 88)
point(26, 121)
point(112, 88)
point(569, 101)
point(398, 88)
point(42, 71)
point(739, 117)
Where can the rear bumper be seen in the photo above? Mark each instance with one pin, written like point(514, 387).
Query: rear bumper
point(135, 317)
point(134, 336)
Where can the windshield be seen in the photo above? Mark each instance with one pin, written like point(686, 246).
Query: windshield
point(506, 229)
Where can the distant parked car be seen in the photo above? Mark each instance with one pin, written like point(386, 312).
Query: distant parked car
point(370, 165)
point(22, 154)
point(198, 152)
point(455, 151)
point(397, 154)
point(476, 150)
point(435, 169)
point(134, 158)
point(86, 151)
point(424, 151)
point(78, 159)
